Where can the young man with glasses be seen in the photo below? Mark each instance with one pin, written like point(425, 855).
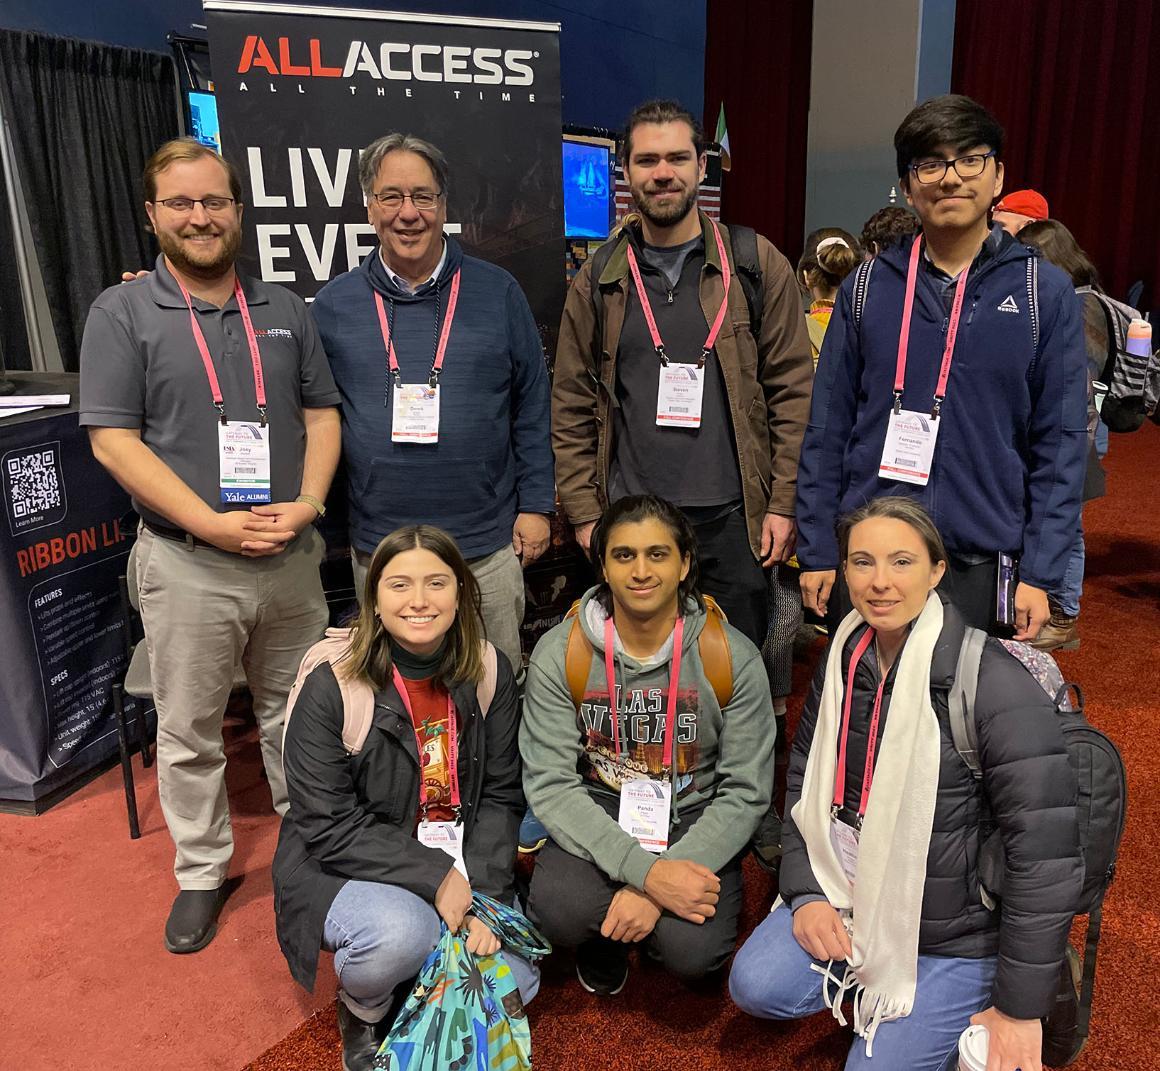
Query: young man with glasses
point(445, 399)
point(208, 398)
point(953, 372)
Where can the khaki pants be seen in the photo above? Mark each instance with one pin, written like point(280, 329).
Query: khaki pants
point(204, 611)
point(501, 587)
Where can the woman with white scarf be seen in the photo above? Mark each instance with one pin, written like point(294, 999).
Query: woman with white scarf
point(881, 907)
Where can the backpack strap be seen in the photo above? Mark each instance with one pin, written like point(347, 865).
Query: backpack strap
point(577, 657)
point(1088, 980)
point(485, 689)
point(716, 658)
point(961, 700)
point(743, 243)
point(861, 287)
point(599, 261)
point(358, 697)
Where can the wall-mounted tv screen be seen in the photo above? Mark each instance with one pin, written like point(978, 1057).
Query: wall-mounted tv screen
point(587, 190)
point(203, 119)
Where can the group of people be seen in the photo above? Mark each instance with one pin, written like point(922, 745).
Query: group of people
point(927, 477)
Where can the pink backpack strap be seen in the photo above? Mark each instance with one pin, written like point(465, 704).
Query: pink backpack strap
point(358, 698)
point(485, 689)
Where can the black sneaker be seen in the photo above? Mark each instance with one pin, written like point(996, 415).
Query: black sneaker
point(192, 920)
point(602, 966)
point(360, 1039)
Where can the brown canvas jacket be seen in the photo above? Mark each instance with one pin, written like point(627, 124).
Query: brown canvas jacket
point(767, 382)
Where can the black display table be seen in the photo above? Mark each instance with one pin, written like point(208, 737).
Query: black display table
point(63, 546)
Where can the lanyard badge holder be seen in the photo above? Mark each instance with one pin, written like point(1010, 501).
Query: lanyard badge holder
point(681, 389)
point(908, 453)
point(844, 834)
point(446, 836)
point(243, 446)
point(645, 803)
point(415, 406)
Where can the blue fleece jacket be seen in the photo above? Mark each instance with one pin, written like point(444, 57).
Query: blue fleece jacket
point(1009, 461)
point(494, 455)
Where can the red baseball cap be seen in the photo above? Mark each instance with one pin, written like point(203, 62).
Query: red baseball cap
point(1024, 203)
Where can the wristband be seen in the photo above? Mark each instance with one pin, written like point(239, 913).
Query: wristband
point(314, 503)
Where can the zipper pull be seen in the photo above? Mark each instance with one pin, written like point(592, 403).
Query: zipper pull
point(669, 299)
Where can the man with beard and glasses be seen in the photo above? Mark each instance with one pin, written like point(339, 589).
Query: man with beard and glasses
point(209, 399)
point(684, 371)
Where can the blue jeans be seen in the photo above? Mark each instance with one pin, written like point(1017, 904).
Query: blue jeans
point(1069, 593)
point(771, 979)
point(380, 935)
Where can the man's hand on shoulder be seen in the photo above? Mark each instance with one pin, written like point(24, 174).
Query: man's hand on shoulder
point(132, 276)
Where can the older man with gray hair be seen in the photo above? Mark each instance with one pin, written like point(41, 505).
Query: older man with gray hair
point(445, 397)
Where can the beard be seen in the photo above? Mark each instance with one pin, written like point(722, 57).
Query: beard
point(207, 264)
point(664, 215)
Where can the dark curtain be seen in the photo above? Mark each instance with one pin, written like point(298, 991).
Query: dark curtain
point(13, 333)
point(84, 118)
point(1076, 86)
point(757, 60)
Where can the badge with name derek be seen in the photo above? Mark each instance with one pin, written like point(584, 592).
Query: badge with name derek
point(415, 418)
point(244, 461)
point(844, 839)
point(448, 838)
point(909, 449)
point(679, 395)
point(644, 812)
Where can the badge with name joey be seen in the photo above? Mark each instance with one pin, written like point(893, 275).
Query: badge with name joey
point(679, 394)
point(644, 812)
point(447, 837)
point(415, 418)
point(244, 461)
point(909, 449)
point(844, 840)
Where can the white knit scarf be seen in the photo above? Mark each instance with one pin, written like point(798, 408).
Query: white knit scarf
point(883, 909)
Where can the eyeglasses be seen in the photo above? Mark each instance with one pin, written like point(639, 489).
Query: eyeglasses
point(969, 166)
point(210, 204)
point(392, 200)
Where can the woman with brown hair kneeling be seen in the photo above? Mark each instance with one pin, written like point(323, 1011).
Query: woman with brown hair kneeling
point(381, 844)
point(882, 900)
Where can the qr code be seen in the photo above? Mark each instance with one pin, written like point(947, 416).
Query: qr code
point(33, 483)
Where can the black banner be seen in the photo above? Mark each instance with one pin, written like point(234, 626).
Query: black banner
point(64, 549)
point(301, 93)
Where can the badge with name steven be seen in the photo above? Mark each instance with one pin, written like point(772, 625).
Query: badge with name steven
point(415, 418)
point(909, 449)
point(244, 461)
point(644, 812)
point(679, 395)
point(447, 837)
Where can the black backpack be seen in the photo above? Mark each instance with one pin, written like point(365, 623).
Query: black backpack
point(1124, 373)
point(742, 241)
point(1101, 809)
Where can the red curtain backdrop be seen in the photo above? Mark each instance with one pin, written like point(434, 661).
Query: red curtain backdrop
point(757, 60)
point(1076, 85)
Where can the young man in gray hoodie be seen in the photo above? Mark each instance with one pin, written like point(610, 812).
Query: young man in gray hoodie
point(647, 743)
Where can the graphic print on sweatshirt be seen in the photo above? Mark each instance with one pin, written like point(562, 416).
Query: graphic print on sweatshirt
point(640, 713)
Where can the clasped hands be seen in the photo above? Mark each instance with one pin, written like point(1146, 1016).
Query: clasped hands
point(687, 889)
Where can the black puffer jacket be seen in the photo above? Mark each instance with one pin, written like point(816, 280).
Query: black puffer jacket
point(1028, 790)
point(353, 817)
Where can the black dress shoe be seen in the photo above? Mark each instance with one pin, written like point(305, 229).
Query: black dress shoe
point(360, 1039)
point(192, 920)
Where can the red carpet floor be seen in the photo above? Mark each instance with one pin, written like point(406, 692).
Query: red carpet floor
point(88, 985)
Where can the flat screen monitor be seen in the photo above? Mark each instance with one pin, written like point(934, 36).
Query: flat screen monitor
point(203, 119)
point(587, 190)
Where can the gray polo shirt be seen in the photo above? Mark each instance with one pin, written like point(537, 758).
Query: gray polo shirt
point(140, 368)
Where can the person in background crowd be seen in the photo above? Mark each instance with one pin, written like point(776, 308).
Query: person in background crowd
point(886, 227)
point(1059, 246)
point(632, 412)
point(445, 397)
point(881, 809)
point(647, 743)
point(1017, 209)
point(830, 255)
point(962, 345)
point(370, 860)
point(208, 398)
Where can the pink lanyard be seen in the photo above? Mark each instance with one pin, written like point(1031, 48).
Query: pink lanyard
point(452, 746)
point(940, 391)
point(714, 331)
point(671, 703)
point(444, 334)
point(207, 361)
point(872, 739)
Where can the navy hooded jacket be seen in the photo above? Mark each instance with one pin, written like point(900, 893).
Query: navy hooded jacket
point(493, 458)
point(1011, 452)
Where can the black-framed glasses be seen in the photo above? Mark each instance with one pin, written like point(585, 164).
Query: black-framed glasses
point(210, 204)
point(970, 166)
point(423, 200)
